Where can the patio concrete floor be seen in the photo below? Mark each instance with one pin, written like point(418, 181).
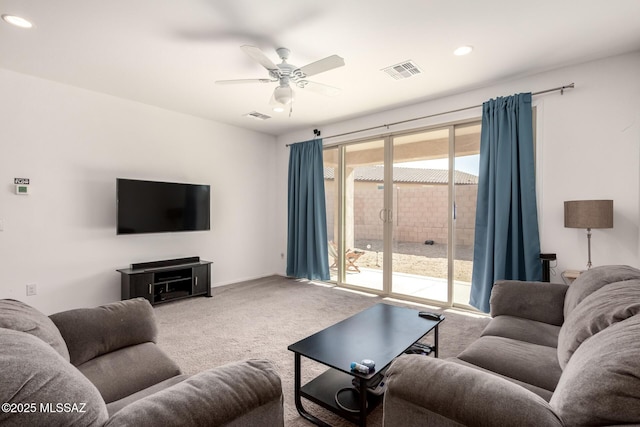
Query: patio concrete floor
point(432, 288)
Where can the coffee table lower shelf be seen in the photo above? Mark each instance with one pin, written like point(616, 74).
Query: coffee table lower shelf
point(322, 391)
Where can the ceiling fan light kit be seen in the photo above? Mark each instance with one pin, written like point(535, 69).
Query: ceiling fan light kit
point(285, 74)
point(283, 94)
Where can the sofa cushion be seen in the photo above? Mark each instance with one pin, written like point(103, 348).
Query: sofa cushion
point(91, 332)
point(21, 317)
point(116, 405)
point(216, 397)
point(34, 373)
point(530, 363)
point(521, 329)
point(454, 395)
point(601, 383)
point(606, 306)
point(539, 301)
point(129, 370)
point(592, 280)
point(542, 392)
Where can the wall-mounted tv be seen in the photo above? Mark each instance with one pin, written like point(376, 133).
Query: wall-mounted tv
point(158, 207)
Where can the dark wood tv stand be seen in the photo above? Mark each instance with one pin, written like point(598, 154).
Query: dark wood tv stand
point(166, 280)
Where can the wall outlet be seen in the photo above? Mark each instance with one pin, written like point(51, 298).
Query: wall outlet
point(31, 290)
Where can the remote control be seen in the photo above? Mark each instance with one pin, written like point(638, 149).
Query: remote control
point(431, 316)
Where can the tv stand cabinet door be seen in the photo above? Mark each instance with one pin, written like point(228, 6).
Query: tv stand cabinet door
point(202, 280)
point(142, 286)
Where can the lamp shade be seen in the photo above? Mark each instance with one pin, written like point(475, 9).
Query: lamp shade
point(588, 214)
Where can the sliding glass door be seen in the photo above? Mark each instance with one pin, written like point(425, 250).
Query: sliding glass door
point(466, 163)
point(420, 234)
point(363, 198)
point(401, 213)
point(331, 158)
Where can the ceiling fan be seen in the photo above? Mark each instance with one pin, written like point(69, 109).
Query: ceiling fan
point(286, 74)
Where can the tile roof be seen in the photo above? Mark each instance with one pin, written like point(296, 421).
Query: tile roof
point(409, 175)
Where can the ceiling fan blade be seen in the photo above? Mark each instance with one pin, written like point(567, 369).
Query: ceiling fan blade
point(321, 88)
point(241, 81)
point(259, 56)
point(322, 65)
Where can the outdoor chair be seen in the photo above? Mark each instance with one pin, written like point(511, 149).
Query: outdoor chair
point(350, 257)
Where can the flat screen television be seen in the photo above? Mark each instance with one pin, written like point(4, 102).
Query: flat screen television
point(158, 207)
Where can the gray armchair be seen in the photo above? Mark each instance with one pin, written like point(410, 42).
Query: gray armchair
point(101, 366)
point(552, 355)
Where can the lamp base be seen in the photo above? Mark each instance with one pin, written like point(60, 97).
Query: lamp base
point(589, 248)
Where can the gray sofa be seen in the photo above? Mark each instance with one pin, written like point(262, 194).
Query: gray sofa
point(552, 355)
point(101, 366)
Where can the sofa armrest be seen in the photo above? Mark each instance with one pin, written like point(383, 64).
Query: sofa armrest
point(240, 393)
point(424, 390)
point(540, 301)
point(91, 332)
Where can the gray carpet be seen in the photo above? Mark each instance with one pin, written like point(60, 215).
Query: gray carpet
point(260, 318)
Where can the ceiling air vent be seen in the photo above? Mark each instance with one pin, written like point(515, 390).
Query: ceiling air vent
point(404, 70)
point(257, 116)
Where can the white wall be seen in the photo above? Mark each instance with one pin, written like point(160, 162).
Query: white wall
point(588, 148)
point(72, 144)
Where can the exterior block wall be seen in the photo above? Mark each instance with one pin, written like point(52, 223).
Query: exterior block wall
point(420, 212)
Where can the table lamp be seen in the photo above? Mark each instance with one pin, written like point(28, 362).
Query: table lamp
point(588, 214)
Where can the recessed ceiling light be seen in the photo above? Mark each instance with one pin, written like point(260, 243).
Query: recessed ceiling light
point(278, 109)
point(17, 21)
point(463, 50)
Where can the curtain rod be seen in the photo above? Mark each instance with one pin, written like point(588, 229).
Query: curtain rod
point(317, 133)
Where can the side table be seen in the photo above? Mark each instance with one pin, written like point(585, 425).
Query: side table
point(568, 276)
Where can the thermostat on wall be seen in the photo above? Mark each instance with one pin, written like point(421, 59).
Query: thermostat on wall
point(22, 189)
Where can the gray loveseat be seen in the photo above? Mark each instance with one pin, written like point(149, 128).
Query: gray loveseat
point(552, 355)
point(101, 366)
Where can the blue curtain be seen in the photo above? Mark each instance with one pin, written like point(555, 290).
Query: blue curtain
point(307, 252)
point(507, 242)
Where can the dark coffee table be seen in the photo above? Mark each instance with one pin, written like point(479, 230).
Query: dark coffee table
point(380, 333)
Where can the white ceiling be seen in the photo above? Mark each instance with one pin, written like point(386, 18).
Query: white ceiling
point(169, 53)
